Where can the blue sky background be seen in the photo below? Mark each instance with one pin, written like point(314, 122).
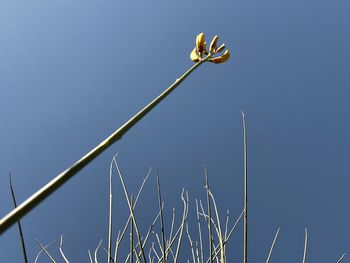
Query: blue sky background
point(71, 72)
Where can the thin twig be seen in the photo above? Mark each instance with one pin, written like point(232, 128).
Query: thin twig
point(245, 229)
point(110, 211)
point(135, 203)
point(117, 242)
point(172, 224)
point(221, 241)
point(45, 250)
point(209, 215)
point(42, 250)
point(199, 233)
point(96, 250)
point(185, 203)
point(206, 217)
point(191, 243)
point(341, 258)
point(106, 251)
point(138, 234)
point(305, 247)
point(217, 248)
point(272, 245)
point(61, 250)
point(131, 236)
point(21, 237)
point(178, 231)
point(161, 217)
point(90, 257)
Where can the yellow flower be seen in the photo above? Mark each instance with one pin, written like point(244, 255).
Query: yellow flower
point(221, 59)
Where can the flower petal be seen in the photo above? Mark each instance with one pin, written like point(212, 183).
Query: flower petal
point(194, 56)
point(222, 58)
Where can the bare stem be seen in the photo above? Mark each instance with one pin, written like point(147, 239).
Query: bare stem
point(209, 215)
point(17, 213)
point(272, 246)
point(161, 217)
point(245, 229)
point(305, 247)
point(18, 223)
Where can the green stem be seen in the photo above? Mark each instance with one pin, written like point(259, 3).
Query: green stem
point(17, 213)
point(245, 227)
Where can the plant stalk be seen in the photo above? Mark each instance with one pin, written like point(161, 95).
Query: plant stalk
point(17, 213)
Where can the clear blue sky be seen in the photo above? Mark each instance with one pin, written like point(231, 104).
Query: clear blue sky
point(73, 71)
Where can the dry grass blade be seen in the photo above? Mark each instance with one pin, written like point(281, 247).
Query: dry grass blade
point(42, 250)
point(226, 224)
point(90, 257)
point(178, 231)
point(96, 250)
point(46, 251)
point(341, 258)
point(131, 236)
point(117, 242)
point(155, 252)
point(130, 209)
point(200, 234)
point(61, 250)
point(206, 217)
point(185, 204)
point(210, 237)
point(191, 243)
point(21, 237)
point(217, 248)
point(221, 241)
point(146, 238)
point(305, 247)
point(161, 217)
point(110, 210)
point(245, 228)
point(272, 245)
point(135, 203)
point(172, 225)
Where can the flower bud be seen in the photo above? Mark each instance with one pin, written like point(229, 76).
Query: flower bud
point(222, 58)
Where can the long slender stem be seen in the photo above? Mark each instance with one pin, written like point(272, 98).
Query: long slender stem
point(272, 246)
point(210, 232)
point(305, 247)
point(110, 212)
point(245, 229)
point(18, 223)
point(17, 213)
point(341, 258)
point(161, 217)
point(131, 235)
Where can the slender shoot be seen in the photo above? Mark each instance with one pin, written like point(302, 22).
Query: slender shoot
point(272, 246)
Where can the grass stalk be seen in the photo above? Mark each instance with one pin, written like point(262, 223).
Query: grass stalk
point(199, 233)
point(131, 236)
point(131, 209)
point(109, 254)
point(42, 250)
point(245, 218)
point(31, 202)
point(305, 247)
point(21, 237)
point(210, 233)
point(46, 251)
point(272, 245)
point(341, 258)
point(61, 250)
point(96, 250)
point(161, 217)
